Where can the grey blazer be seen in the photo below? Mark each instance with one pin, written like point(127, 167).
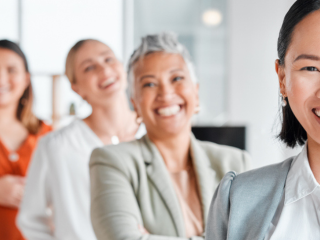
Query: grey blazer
point(243, 206)
point(130, 186)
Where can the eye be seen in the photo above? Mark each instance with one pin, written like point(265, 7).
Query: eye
point(150, 84)
point(177, 78)
point(12, 70)
point(310, 69)
point(108, 59)
point(89, 68)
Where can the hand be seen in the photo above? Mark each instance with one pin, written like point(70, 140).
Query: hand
point(11, 190)
point(142, 230)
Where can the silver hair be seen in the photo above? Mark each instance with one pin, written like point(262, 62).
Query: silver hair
point(163, 42)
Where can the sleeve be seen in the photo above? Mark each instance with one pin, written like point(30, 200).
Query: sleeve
point(33, 218)
point(115, 213)
point(218, 217)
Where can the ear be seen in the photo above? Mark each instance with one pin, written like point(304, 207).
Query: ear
point(197, 92)
point(28, 79)
point(75, 88)
point(281, 77)
point(134, 106)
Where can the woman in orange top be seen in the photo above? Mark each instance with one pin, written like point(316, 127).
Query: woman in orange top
point(19, 133)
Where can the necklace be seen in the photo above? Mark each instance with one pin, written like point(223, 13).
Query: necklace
point(13, 156)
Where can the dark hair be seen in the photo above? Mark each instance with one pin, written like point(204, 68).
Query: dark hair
point(292, 132)
point(24, 110)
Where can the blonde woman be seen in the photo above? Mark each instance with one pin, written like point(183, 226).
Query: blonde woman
point(20, 131)
point(59, 173)
point(159, 187)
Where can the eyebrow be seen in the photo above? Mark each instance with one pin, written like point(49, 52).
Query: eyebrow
point(307, 56)
point(176, 70)
point(101, 54)
point(146, 76)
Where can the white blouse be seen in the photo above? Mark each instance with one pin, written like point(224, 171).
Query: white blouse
point(298, 214)
point(58, 176)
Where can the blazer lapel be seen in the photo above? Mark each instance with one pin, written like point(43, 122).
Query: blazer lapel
point(205, 175)
point(159, 176)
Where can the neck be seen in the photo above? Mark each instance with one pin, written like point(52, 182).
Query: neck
point(174, 149)
point(314, 158)
point(112, 119)
point(8, 114)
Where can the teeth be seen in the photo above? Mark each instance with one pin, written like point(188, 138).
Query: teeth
point(4, 89)
point(108, 82)
point(169, 111)
point(317, 112)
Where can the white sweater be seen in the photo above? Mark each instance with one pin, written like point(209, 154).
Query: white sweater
point(58, 176)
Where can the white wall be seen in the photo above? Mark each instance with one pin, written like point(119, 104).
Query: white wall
point(253, 92)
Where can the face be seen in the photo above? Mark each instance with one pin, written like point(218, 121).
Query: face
point(164, 94)
point(98, 73)
point(300, 77)
point(13, 78)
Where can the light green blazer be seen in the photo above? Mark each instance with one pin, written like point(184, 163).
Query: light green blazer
point(130, 186)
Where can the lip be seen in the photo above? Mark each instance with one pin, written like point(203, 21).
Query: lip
point(315, 115)
point(106, 84)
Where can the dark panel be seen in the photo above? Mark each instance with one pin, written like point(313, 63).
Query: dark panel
point(231, 136)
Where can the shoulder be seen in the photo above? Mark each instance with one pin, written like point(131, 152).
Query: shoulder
point(226, 158)
point(44, 129)
point(123, 153)
point(261, 178)
point(63, 133)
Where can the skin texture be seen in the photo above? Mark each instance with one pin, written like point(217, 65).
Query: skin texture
point(162, 80)
point(13, 81)
point(96, 64)
point(299, 80)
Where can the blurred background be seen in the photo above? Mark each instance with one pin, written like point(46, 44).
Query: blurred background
point(232, 43)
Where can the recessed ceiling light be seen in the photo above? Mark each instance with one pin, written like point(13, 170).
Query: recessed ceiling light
point(212, 17)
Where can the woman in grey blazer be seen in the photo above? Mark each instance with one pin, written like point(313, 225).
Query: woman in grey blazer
point(159, 187)
point(282, 201)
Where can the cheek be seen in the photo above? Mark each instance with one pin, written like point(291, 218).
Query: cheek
point(189, 94)
point(300, 89)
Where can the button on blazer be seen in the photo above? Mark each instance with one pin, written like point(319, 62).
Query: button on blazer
point(131, 187)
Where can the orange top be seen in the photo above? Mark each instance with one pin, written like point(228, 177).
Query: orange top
point(8, 228)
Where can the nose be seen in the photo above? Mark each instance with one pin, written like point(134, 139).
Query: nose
point(166, 92)
point(105, 71)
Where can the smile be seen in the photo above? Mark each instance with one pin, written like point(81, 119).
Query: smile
point(169, 111)
point(108, 82)
point(316, 111)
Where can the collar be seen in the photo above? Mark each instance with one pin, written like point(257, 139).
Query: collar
point(300, 181)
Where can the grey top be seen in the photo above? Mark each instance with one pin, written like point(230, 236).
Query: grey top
point(131, 186)
point(244, 205)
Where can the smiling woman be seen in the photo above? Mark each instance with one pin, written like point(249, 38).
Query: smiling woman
point(59, 176)
point(282, 201)
point(159, 187)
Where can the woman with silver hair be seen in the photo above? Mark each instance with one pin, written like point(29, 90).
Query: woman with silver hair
point(159, 187)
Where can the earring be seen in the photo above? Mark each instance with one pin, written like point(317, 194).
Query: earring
point(283, 101)
point(139, 120)
point(197, 109)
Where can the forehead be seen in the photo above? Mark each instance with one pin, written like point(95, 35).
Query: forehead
point(8, 56)
point(159, 62)
point(306, 36)
point(91, 50)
